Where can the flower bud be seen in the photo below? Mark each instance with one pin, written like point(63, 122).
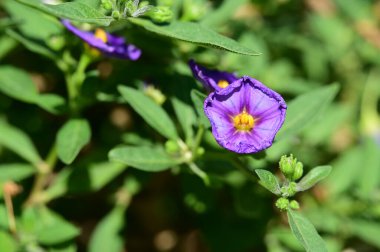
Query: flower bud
point(171, 147)
point(298, 171)
point(282, 204)
point(292, 188)
point(107, 5)
point(294, 205)
point(116, 14)
point(200, 151)
point(287, 165)
point(161, 14)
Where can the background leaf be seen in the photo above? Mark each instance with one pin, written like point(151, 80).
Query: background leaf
point(153, 114)
point(71, 138)
point(305, 233)
point(106, 234)
point(151, 159)
point(306, 109)
point(198, 99)
point(186, 117)
point(18, 142)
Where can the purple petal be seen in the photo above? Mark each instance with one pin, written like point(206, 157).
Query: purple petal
point(245, 94)
point(210, 78)
point(114, 47)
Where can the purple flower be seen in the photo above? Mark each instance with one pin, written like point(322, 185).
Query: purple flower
point(106, 43)
point(245, 116)
point(212, 80)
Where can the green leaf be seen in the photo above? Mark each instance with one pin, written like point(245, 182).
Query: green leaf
point(16, 172)
point(91, 178)
point(17, 84)
point(194, 33)
point(186, 117)
point(314, 176)
point(146, 158)
point(366, 230)
point(347, 170)
point(18, 142)
point(7, 44)
point(32, 45)
point(71, 138)
point(7, 243)
point(52, 103)
point(31, 22)
point(305, 233)
point(369, 180)
point(106, 234)
point(48, 227)
point(152, 113)
point(64, 248)
point(223, 13)
point(306, 109)
point(198, 99)
point(77, 11)
point(268, 180)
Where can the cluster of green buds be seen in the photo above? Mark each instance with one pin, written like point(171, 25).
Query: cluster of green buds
point(134, 8)
point(292, 170)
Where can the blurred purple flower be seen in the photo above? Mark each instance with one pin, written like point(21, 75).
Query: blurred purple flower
point(245, 116)
point(212, 80)
point(106, 43)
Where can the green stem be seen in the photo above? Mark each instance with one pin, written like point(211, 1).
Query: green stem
point(199, 173)
point(198, 139)
point(44, 169)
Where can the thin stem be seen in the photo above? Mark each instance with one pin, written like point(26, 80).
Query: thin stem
point(44, 170)
point(199, 173)
point(11, 216)
point(198, 139)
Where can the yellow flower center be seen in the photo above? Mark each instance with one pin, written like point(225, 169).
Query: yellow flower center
point(223, 83)
point(244, 121)
point(101, 34)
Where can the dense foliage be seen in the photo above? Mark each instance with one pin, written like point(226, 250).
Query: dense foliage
point(105, 145)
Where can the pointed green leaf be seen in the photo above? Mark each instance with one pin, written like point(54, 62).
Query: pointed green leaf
point(16, 172)
point(305, 233)
point(55, 104)
point(17, 84)
point(71, 138)
point(198, 99)
point(146, 158)
point(306, 109)
point(106, 234)
point(186, 117)
point(314, 176)
point(77, 10)
point(194, 33)
point(53, 229)
point(268, 180)
point(18, 142)
point(7, 242)
point(366, 230)
point(152, 113)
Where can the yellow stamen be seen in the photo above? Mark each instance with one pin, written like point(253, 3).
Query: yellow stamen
point(223, 83)
point(243, 121)
point(101, 34)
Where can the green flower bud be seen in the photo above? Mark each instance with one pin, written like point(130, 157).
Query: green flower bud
point(107, 5)
point(294, 204)
point(298, 171)
point(56, 42)
point(116, 14)
point(200, 151)
point(282, 204)
point(287, 165)
point(171, 147)
point(161, 14)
